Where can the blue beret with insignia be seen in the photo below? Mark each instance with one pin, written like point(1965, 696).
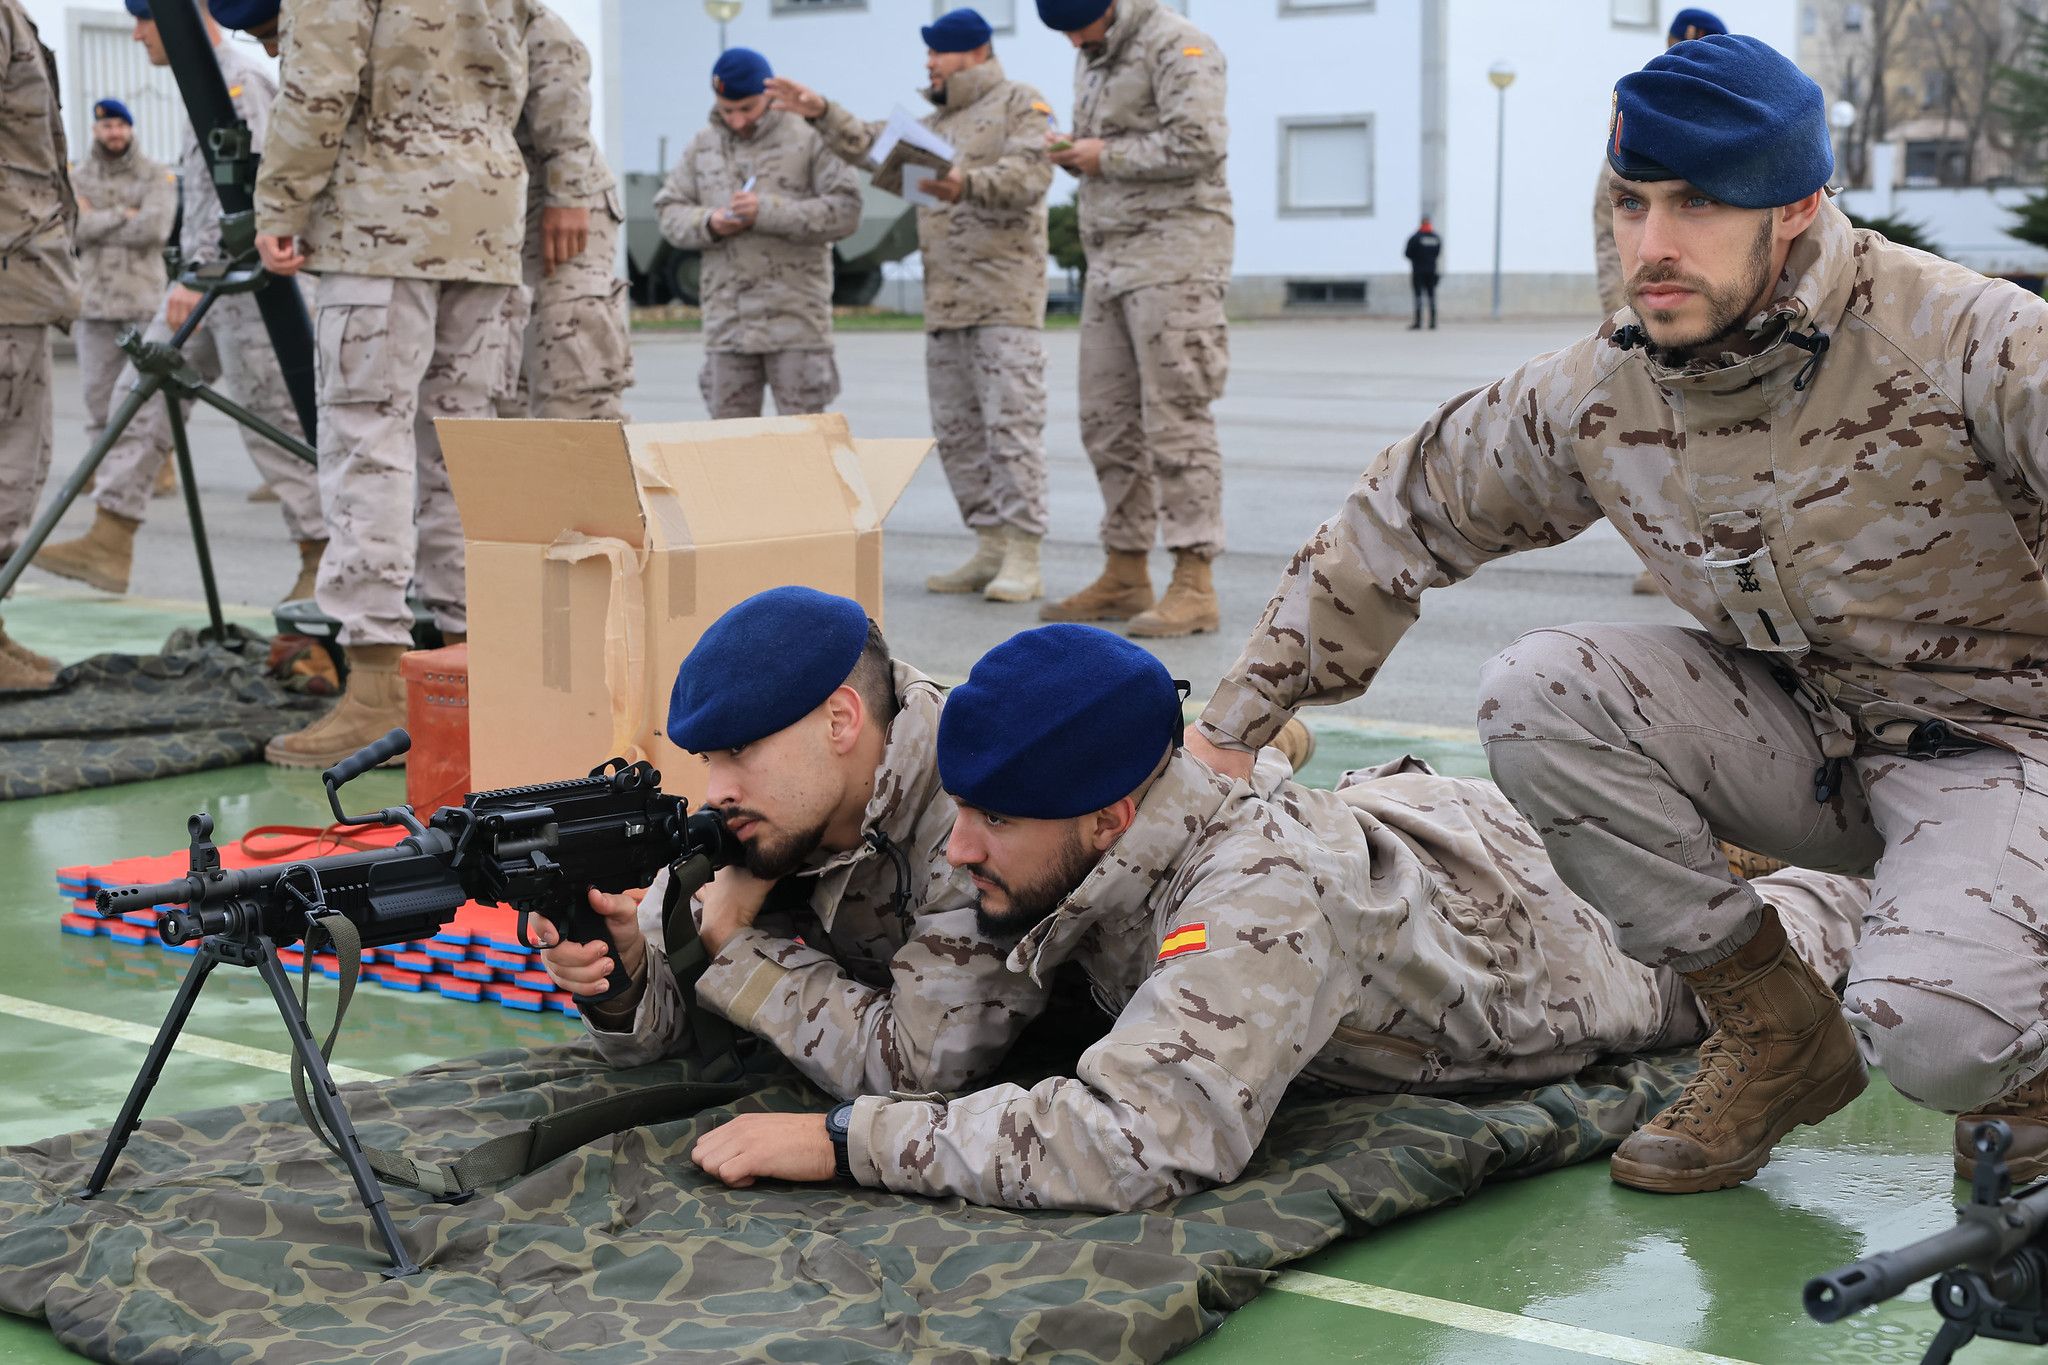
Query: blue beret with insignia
point(1057, 722)
point(1068, 15)
point(1695, 23)
point(764, 666)
point(740, 73)
point(1727, 114)
point(113, 109)
point(957, 30)
point(244, 14)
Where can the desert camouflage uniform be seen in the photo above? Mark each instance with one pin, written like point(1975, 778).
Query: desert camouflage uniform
point(984, 292)
point(767, 291)
point(1858, 533)
point(1608, 274)
point(889, 921)
point(1157, 227)
point(1404, 933)
point(120, 264)
point(38, 273)
point(570, 353)
point(377, 122)
point(231, 346)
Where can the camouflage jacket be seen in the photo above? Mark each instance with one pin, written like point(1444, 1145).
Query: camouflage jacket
point(1879, 529)
point(1608, 275)
point(1403, 933)
point(121, 254)
point(769, 288)
point(38, 212)
point(564, 168)
point(254, 93)
point(984, 257)
point(862, 988)
point(392, 150)
point(1159, 212)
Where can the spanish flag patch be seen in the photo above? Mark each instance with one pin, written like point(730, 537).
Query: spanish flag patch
point(1194, 52)
point(1189, 938)
point(234, 92)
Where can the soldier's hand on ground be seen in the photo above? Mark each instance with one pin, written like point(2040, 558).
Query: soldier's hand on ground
point(583, 968)
point(800, 100)
point(948, 189)
point(1084, 157)
point(564, 233)
point(766, 1147)
point(745, 206)
point(728, 904)
point(1235, 763)
point(179, 305)
point(281, 254)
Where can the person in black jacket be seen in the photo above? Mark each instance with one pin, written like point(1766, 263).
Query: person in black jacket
point(1424, 247)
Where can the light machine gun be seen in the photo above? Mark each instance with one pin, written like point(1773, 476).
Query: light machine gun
point(537, 849)
point(1993, 1264)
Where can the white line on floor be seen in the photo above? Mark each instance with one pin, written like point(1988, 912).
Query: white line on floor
point(194, 1043)
point(1470, 1318)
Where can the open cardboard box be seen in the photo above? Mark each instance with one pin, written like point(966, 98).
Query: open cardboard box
point(599, 552)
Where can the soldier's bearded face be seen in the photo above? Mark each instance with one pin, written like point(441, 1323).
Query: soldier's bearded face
point(743, 117)
point(777, 796)
point(113, 134)
point(1699, 269)
point(1022, 869)
point(940, 67)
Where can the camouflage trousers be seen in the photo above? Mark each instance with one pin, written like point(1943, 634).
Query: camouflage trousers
point(100, 362)
point(572, 358)
point(393, 356)
point(26, 415)
point(232, 349)
point(986, 386)
point(1632, 748)
point(733, 382)
point(1152, 361)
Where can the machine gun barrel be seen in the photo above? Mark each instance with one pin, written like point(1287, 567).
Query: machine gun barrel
point(1853, 1288)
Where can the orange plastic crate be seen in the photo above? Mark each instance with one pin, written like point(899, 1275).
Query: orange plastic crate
point(437, 715)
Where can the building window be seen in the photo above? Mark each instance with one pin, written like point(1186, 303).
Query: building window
point(1326, 165)
point(1633, 13)
point(1001, 14)
point(1809, 20)
point(1323, 6)
point(1852, 18)
point(1346, 294)
point(812, 6)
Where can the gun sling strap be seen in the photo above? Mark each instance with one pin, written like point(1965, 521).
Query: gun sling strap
point(554, 1135)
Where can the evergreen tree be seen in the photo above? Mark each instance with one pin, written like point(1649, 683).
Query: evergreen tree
point(2023, 101)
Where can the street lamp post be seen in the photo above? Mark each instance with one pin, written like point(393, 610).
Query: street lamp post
point(1841, 118)
point(1502, 75)
point(724, 11)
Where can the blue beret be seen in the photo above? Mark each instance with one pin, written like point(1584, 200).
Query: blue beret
point(113, 109)
point(1057, 722)
point(138, 8)
point(244, 14)
point(1727, 114)
point(1068, 15)
point(740, 73)
point(764, 666)
point(1703, 21)
point(957, 30)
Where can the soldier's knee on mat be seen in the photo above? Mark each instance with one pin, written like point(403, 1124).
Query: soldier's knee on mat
point(1936, 1048)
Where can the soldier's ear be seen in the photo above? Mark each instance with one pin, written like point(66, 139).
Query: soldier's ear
point(1102, 829)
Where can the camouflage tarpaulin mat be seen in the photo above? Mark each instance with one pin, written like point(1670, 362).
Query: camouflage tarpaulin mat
point(118, 718)
point(229, 1234)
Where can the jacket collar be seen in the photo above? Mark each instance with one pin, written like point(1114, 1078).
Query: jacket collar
point(106, 158)
point(1131, 18)
point(967, 86)
point(1177, 811)
point(765, 129)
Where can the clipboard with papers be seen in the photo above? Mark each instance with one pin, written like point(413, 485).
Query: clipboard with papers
point(907, 154)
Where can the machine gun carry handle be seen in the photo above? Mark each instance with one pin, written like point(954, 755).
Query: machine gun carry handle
point(393, 744)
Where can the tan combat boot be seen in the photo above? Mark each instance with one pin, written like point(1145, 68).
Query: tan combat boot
point(1780, 1055)
point(980, 569)
point(1189, 606)
point(372, 705)
point(1019, 580)
point(2024, 1109)
point(166, 480)
point(1296, 742)
point(1123, 590)
point(1646, 585)
point(262, 492)
point(21, 668)
point(309, 570)
point(101, 558)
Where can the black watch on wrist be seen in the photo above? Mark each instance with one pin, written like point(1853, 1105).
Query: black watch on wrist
point(836, 1124)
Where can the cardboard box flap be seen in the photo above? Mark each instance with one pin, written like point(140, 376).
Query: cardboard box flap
point(758, 479)
point(889, 466)
point(529, 481)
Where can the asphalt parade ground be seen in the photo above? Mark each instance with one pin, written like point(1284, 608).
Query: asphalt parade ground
point(1559, 1267)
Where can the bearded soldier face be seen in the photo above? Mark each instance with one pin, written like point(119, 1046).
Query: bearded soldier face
point(1699, 269)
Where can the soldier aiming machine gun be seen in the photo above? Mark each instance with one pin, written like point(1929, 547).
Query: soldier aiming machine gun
point(537, 849)
point(1993, 1264)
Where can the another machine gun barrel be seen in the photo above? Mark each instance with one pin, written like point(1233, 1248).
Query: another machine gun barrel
point(1853, 1288)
